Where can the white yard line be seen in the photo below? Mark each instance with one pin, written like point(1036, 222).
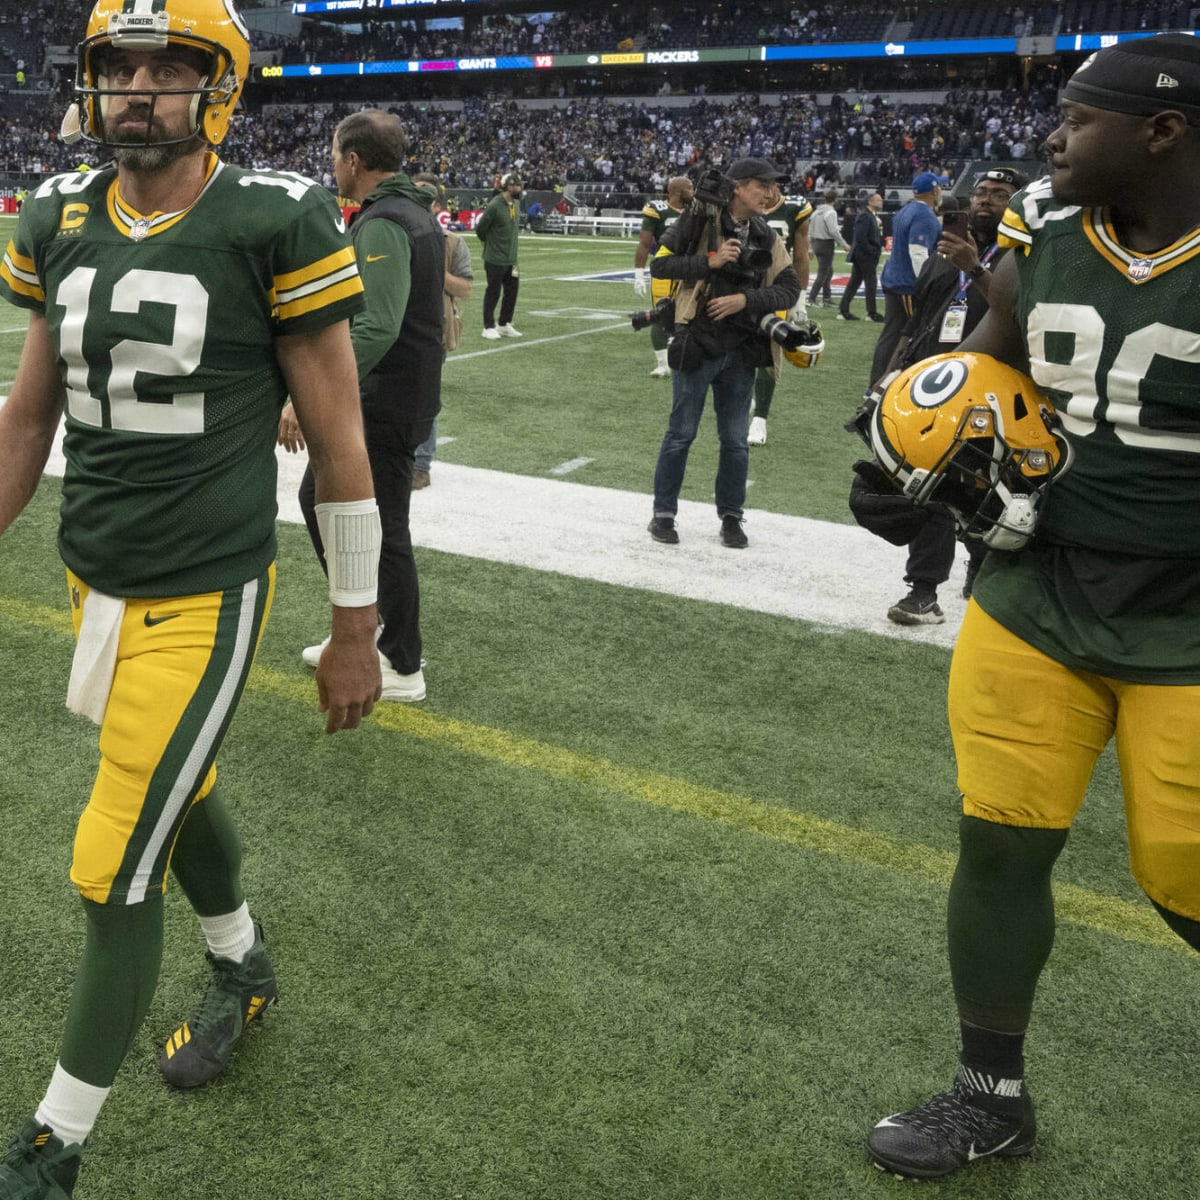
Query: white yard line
point(567, 467)
point(520, 343)
point(837, 576)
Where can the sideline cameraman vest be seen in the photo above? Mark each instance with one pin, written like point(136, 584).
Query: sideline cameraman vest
point(410, 373)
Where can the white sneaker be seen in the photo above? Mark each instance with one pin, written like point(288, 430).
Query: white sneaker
point(661, 373)
point(492, 335)
point(758, 432)
point(507, 331)
point(406, 688)
point(311, 655)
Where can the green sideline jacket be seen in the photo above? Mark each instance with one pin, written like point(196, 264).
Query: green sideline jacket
point(497, 230)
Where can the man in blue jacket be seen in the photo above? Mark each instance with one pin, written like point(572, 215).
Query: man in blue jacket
point(915, 233)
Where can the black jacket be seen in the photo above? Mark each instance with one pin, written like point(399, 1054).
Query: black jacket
point(867, 244)
point(688, 261)
point(409, 375)
point(937, 286)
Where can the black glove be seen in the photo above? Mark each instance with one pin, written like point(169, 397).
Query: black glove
point(860, 423)
point(877, 506)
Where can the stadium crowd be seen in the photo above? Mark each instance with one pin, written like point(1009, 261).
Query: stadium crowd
point(855, 139)
point(691, 24)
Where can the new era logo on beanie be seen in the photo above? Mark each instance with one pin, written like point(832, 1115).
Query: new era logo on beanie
point(1142, 76)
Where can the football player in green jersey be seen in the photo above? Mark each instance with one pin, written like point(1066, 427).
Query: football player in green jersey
point(174, 302)
point(1092, 631)
point(657, 217)
point(790, 220)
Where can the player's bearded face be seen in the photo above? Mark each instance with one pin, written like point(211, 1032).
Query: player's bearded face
point(987, 209)
point(150, 129)
point(162, 146)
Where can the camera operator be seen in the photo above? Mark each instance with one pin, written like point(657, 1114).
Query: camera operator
point(732, 270)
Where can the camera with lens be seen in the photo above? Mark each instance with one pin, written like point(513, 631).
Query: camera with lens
point(662, 315)
point(713, 189)
point(802, 343)
point(789, 335)
point(752, 262)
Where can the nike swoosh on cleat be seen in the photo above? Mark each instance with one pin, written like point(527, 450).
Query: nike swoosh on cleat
point(150, 621)
point(973, 1154)
point(888, 1123)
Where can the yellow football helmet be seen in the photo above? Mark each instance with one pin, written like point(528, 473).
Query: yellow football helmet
point(970, 432)
point(211, 27)
point(812, 346)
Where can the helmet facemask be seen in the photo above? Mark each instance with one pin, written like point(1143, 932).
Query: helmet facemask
point(993, 489)
point(992, 466)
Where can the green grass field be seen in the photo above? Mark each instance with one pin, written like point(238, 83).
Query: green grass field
point(646, 902)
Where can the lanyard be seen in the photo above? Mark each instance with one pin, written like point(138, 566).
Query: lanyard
point(965, 281)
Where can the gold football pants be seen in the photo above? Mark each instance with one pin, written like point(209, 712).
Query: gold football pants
point(182, 664)
point(1028, 730)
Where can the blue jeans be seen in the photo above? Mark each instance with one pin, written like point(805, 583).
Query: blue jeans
point(732, 381)
point(426, 450)
point(423, 459)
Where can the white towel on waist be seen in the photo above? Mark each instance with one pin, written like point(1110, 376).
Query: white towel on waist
point(95, 655)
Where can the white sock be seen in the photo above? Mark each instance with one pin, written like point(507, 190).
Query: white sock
point(70, 1107)
point(230, 936)
point(661, 355)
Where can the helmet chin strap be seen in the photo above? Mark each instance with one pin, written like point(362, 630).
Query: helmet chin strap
point(1015, 526)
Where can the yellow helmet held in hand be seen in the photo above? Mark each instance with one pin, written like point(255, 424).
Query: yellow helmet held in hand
point(975, 434)
point(801, 342)
point(211, 28)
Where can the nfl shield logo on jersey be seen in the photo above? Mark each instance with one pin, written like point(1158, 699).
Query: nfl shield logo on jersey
point(1140, 268)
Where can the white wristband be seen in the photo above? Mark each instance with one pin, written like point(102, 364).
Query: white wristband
point(352, 536)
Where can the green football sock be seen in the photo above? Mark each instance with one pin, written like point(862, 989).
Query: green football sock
point(113, 987)
point(764, 392)
point(1185, 927)
point(1001, 920)
point(207, 859)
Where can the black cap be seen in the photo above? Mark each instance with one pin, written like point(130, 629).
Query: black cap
point(754, 168)
point(1014, 179)
point(1142, 76)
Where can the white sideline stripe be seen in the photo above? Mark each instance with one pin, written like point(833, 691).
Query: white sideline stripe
point(837, 577)
point(515, 344)
point(573, 465)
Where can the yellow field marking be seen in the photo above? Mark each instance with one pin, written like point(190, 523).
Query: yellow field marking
point(1128, 920)
point(21, 612)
